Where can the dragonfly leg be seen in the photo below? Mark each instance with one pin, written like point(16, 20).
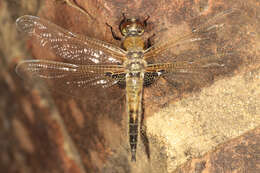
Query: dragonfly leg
point(122, 21)
point(149, 42)
point(113, 32)
point(145, 21)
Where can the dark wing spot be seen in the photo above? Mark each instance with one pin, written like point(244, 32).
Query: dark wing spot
point(120, 79)
point(151, 77)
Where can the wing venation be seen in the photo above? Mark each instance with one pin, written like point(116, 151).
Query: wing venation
point(68, 78)
point(73, 48)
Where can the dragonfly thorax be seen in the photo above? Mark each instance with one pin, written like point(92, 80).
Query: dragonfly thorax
point(135, 65)
point(134, 55)
point(133, 43)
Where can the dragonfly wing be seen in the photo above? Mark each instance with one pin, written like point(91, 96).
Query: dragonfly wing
point(218, 34)
point(70, 79)
point(193, 59)
point(73, 48)
point(193, 72)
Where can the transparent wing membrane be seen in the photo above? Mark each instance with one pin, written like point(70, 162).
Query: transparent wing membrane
point(212, 31)
point(68, 78)
point(194, 64)
point(71, 47)
point(193, 71)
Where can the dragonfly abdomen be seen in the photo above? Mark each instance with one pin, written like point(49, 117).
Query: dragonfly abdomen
point(134, 89)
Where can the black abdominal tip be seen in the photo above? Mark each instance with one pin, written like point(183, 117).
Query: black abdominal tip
point(133, 159)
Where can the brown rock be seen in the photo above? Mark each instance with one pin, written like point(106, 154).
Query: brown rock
point(212, 127)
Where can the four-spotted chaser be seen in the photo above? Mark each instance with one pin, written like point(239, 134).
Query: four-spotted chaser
point(88, 62)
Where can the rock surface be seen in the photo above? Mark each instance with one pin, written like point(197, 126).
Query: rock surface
point(212, 127)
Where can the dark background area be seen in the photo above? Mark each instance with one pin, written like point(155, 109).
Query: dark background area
point(43, 131)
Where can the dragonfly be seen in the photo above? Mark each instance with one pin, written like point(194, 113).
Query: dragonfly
point(87, 63)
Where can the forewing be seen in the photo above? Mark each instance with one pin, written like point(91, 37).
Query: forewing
point(217, 35)
point(70, 79)
point(73, 48)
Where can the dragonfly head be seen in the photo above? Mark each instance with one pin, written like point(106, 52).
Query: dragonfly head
point(132, 27)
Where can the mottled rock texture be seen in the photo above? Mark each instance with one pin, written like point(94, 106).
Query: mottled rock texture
point(210, 128)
